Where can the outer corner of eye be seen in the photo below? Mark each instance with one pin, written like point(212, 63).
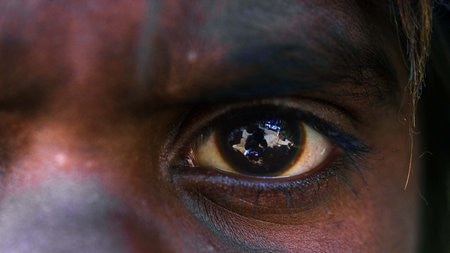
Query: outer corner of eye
point(271, 148)
point(315, 151)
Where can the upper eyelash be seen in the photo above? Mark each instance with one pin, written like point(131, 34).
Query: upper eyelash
point(348, 143)
point(345, 141)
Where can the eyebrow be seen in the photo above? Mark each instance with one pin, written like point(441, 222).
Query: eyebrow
point(284, 69)
point(258, 64)
point(289, 69)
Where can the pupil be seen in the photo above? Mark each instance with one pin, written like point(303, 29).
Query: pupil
point(262, 147)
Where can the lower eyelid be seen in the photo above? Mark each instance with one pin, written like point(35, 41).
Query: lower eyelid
point(266, 200)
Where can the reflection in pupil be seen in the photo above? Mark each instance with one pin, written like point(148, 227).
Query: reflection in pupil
point(262, 148)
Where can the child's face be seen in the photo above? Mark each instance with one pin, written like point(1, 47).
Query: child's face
point(203, 126)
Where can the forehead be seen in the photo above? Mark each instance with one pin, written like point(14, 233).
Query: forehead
point(110, 46)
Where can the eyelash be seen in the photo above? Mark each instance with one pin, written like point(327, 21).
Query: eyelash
point(200, 180)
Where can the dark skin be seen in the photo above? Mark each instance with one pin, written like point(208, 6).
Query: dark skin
point(100, 100)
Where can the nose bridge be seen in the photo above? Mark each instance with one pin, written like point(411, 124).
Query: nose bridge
point(55, 145)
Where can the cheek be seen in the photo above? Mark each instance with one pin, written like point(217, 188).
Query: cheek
point(387, 209)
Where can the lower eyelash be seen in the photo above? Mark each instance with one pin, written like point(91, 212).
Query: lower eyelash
point(294, 195)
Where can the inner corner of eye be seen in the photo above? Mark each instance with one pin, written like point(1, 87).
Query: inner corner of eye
point(264, 148)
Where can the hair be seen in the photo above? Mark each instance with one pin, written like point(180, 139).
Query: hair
point(428, 55)
point(415, 21)
point(414, 31)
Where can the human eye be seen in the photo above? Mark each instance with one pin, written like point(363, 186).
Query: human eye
point(272, 156)
point(266, 146)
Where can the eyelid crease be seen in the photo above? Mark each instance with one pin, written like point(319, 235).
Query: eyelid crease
point(329, 112)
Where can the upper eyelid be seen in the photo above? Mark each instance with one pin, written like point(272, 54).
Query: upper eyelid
point(337, 135)
point(328, 113)
point(341, 128)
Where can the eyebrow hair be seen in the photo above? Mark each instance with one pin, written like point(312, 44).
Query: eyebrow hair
point(285, 69)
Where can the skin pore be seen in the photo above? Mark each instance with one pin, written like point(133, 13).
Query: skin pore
point(103, 103)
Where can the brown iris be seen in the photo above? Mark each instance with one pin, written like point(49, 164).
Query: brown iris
point(261, 147)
